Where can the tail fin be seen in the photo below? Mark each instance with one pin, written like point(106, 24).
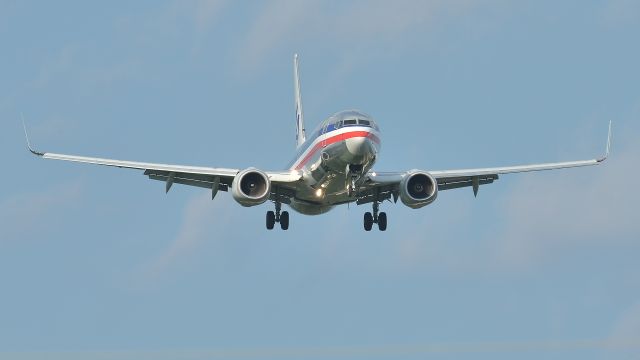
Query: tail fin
point(300, 130)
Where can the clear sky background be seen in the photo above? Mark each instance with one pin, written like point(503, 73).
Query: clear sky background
point(100, 263)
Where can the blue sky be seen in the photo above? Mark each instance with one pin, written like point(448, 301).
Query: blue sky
point(100, 263)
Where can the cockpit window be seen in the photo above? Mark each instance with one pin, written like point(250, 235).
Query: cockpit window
point(364, 122)
point(350, 122)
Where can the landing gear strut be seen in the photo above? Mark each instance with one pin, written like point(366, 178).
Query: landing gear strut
point(377, 218)
point(351, 188)
point(354, 172)
point(278, 217)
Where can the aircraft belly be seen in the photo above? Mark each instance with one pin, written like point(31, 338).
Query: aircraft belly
point(309, 208)
point(327, 178)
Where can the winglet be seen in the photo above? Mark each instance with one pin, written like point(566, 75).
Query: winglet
point(26, 135)
point(606, 154)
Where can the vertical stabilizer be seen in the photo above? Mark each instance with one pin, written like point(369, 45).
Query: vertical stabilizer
point(300, 131)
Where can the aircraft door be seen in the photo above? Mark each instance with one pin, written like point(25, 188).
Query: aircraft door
point(325, 130)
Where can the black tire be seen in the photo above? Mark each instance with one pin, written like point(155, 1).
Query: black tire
point(382, 221)
point(271, 220)
point(368, 221)
point(284, 220)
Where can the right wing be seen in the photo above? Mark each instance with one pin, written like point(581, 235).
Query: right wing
point(384, 185)
point(451, 179)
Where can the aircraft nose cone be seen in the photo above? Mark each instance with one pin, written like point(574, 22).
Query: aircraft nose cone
point(358, 146)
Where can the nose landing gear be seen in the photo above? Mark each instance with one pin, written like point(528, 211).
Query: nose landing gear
point(282, 218)
point(351, 188)
point(377, 218)
point(354, 172)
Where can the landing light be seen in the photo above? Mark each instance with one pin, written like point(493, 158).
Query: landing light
point(319, 192)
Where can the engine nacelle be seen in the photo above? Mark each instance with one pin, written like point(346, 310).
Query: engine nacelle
point(418, 189)
point(251, 187)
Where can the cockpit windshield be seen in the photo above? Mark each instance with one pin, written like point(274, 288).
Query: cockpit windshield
point(344, 119)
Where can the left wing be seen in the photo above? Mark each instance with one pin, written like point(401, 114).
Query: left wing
point(383, 185)
point(205, 177)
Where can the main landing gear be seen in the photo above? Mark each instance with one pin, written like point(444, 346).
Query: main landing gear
point(378, 218)
point(282, 218)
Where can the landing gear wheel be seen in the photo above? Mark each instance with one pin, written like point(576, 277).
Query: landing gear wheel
point(284, 220)
point(368, 221)
point(382, 221)
point(271, 220)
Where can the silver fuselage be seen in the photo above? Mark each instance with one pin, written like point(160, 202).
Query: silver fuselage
point(338, 152)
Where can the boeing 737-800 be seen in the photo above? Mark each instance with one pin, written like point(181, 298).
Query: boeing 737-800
point(332, 166)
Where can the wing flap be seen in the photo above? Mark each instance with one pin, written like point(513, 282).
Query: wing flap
point(188, 179)
point(456, 183)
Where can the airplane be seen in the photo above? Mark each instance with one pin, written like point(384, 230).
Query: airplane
point(332, 166)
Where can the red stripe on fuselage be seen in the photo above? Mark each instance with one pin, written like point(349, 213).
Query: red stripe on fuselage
point(335, 139)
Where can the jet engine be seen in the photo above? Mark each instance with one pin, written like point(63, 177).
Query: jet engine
point(418, 189)
point(251, 187)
